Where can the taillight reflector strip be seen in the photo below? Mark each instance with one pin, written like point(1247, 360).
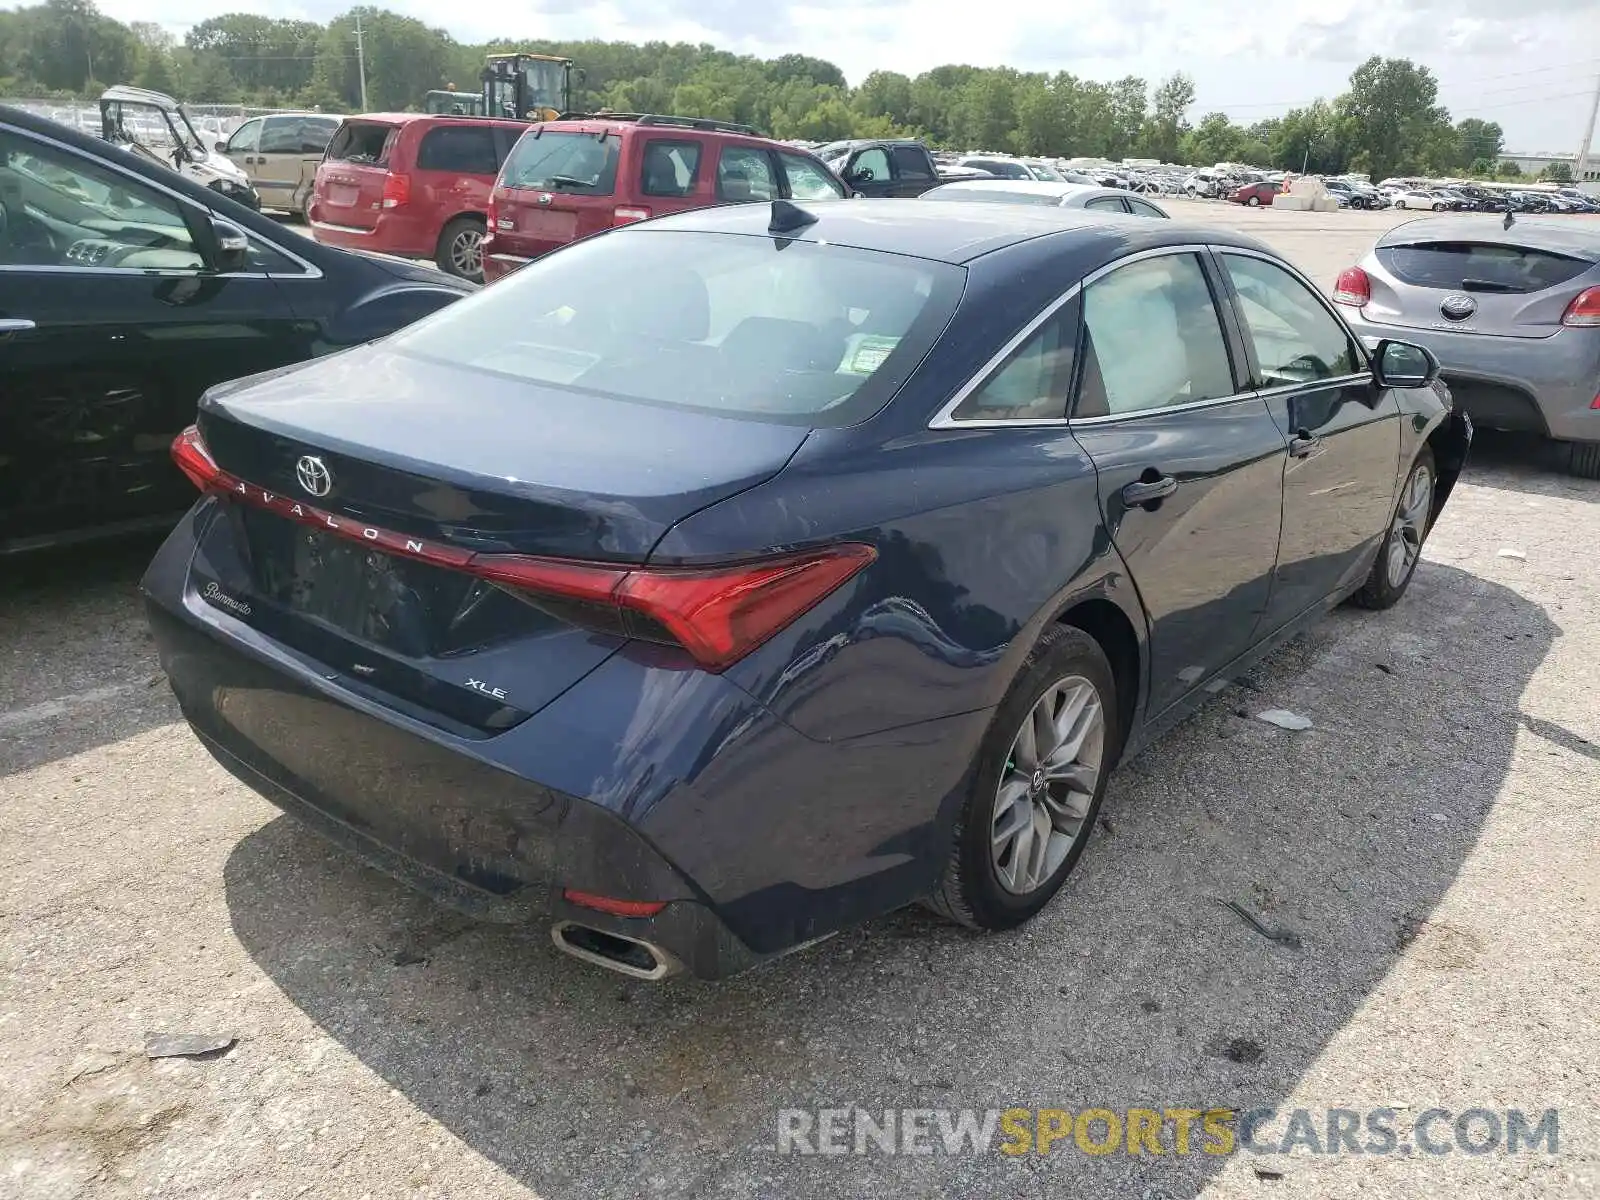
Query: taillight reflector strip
point(718, 613)
point(617, 908)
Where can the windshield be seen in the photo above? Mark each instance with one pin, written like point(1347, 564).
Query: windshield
point(1048, 174)
point(553, 161)
point(789, 331)
point(547, 85)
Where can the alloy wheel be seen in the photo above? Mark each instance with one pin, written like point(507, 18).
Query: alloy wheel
point(466, 253)
point(1410, 525)
point(1048, 785)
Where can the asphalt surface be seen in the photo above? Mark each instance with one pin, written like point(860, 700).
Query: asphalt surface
point(1432, 842)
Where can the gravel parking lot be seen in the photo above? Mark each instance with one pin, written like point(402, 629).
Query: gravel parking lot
point(1433, 841)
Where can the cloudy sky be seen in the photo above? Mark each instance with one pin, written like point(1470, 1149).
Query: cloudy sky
point(1529, 64)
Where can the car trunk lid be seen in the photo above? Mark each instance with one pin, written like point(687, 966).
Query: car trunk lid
point(351, 179)
point(365, 495)
point(1500, 286)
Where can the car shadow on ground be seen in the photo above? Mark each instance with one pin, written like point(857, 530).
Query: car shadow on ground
point(1136, 987)
point(78, 668)
point(1527, 463)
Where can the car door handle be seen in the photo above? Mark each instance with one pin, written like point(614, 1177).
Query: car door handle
point(15, 325)
point(1302, 444)
point(1149, 491)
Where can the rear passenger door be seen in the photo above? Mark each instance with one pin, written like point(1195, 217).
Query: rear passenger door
point(1190, 462)
point(1344, 432)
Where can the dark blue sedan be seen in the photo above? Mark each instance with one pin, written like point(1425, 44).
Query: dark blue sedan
point(727, 579)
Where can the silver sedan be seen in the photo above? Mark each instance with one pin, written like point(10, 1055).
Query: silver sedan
point(1046, 194)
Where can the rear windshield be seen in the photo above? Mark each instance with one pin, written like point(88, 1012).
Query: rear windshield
point(364, 142)
point(795, 332)
point(1475, 266)
point(582, 163)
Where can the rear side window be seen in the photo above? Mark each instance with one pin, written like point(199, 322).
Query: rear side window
point(366, 143)
point(795, 332)
point(669, 168)
point(1106, 204)
point(1152, 339)
point(745, 174)
point(584, 164)
point(910, 162)
point(1140, 209)
point(1032, 384)
point(464, 149)
point(1476, 266)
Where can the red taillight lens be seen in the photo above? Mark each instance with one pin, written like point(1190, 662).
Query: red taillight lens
point(1584, 309)
point(617, 908)
point(396, 190)
point(1352, 287)
point(627, 216)
point(194, 460)
point(717, 614)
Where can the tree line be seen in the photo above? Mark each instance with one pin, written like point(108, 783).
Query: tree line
point(1388, 122)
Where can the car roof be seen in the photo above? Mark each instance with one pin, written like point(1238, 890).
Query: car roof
point(405, 118)
point(1026, 187)
point(124, 93)
point(953, 232)
point(1553, 237)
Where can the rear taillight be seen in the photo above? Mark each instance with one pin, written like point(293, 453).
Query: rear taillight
point(194, 460)
point(718, 614)
point(1352, 287)
point(627, 216)
point(1584, 309)
point(396, 190)
point(494, 215)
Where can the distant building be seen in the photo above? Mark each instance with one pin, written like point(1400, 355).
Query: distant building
point(1532, 164)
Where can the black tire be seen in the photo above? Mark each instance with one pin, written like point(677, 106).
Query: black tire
point(1254, 201)
point(450, 256)
point(1585, 460)
point(305, 207)
point(1382, 590)
point(970, 892)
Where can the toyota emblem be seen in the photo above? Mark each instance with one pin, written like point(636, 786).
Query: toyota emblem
point(313, 475)
point(1458, 307)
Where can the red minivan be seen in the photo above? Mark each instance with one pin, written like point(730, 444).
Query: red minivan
point(568, 179)
point(412, 184)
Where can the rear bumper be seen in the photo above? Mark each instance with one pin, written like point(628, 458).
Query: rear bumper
point(640, 782)
point(1543, 385)
point(392, 233)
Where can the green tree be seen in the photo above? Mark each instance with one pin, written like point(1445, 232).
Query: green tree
point(1478, 140)
point(1216, 139)
point(885, 94)
point(1393, 123)
point(1163, 132)
point(1508, 170)
point(1557, 172)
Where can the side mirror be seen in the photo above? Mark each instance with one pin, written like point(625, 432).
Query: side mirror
point(220, 147)
point(1403, 364)
point(233, 248)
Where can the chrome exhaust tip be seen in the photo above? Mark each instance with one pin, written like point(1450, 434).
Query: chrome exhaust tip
point(614, 951)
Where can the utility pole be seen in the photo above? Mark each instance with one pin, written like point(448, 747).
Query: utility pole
point(361, 61)
point(1588, 136)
